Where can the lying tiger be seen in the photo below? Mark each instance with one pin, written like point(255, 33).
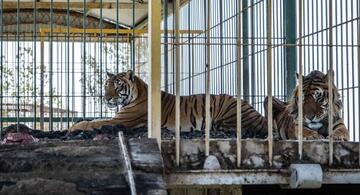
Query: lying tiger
point(315, 111)
point(131, 93)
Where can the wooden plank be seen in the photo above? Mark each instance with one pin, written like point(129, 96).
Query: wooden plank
point(90, 166)
point(127, 162)
point(196, 191)
point(145, 155)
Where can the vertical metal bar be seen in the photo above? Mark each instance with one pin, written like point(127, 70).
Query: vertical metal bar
point(117, 37)
point(51, 68)
point(100, 52)
point(189, 47)
point(18, 65)
point(358, 61)
point(84, 61)
point(133, 37)
point(73, 75)
point(166, 53)
point(289, 18)
point(269, 76)
point(207, 84)
point(330, 81)
point(221, 47)
point(239, 84)
point(300, 80)
point(252, 54)
point(177, 88)
point(68, 62)
point(1, 67)
point(154, 96)
point(34, 64)
point(42, 69)
point(245, 34)
point(353, 75)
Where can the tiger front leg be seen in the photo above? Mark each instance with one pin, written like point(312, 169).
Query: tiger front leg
point(309, 134)
point(341, 134)
point(95, 124)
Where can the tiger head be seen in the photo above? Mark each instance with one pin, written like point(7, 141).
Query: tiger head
point(120, 89)
point(316, 100)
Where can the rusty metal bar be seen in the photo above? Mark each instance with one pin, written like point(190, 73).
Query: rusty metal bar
point(239, 84)
point(300, 92)
point(269, 84)
point(330, 81)
point(177, 86)
point(207, 84)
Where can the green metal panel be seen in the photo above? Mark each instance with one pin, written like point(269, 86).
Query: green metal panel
point(290, 51)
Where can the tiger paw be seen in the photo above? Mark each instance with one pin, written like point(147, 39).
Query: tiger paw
point(83, 125)
point(339, 137)
point(313, 136)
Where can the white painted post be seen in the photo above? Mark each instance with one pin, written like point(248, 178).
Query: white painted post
point(154, 96)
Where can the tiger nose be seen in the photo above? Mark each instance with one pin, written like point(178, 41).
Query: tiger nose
point(106, 98)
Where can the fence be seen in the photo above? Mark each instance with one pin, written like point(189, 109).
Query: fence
point(55, 63)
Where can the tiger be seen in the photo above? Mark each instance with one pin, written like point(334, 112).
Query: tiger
point(130, 93)
point(315, 110)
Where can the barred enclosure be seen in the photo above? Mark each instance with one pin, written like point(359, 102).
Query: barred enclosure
point(55, 55)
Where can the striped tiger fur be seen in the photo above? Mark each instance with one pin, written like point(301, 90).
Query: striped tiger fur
point(315, 110)
point(131, 93)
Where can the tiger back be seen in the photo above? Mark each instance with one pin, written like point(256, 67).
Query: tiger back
point(131, 94)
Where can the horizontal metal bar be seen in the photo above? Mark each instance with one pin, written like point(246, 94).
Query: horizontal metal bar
point(46, 119)
point(328, 28)
point(63, 5)
point(110, 31)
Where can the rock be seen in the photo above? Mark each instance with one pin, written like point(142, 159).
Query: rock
point(211, 163)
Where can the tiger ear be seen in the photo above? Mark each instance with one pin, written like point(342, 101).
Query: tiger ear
point(330, 74)
point(110, 74)
point(297, 76)
point(130, 75)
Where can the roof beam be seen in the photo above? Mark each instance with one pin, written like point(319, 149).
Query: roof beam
point(72, 5)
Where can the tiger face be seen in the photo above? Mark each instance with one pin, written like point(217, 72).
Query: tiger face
point(316, 100)
point(119, 89)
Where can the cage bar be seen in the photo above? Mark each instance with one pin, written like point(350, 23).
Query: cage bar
point(330, 87)
point(1, 67)
point(239, 84)
point(177, 87)
point(358, 58)
point(300, 85)
point(269, 77)
point(207, 84)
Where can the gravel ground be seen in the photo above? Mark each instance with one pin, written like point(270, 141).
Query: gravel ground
point(110, 132)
